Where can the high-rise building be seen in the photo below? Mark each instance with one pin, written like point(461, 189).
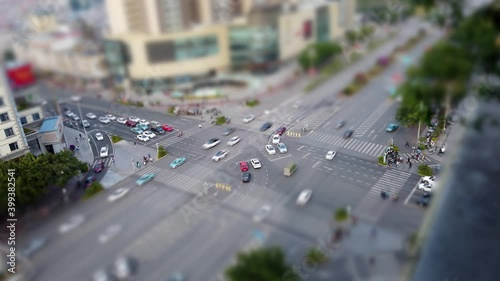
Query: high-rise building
point(175, 44)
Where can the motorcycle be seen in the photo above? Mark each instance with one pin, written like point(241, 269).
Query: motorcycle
point(179, 134)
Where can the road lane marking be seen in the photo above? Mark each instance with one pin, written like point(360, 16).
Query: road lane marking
point(306, 155)
point(298, 149)
point(411, 194)
point(314, 166)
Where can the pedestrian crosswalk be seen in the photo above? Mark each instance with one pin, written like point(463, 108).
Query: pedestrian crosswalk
point(391, 182)
point(314, 120)
point(360, 146)
point(107, 162)
point(251, 200)
point(363, 128)
point(256, 125)
point(168, 177)
point(173, 139)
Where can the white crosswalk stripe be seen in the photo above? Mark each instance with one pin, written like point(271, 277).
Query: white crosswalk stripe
point(315, 119)
point(256, 125)
point(360, 146)
point(173, 139)
point(391, 181)
point(363, 128)
point(168, 177)
point(107, 162)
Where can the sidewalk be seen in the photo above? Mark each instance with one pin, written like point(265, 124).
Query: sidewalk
point(85, 153)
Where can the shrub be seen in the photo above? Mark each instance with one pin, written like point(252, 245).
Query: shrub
point(316, 255)
point(360, 78)
point(139, 104)
point(84, 167)
point(161, 152)
point(220, 120)
point(395, 147)
point(381, 160)
point(171, 109)
point(422, 147)
point(92, 190)
point(424, 170)
point(116, 139)
point(351, 89)
point(375, 70)
point(341, 214)
point(252, 103)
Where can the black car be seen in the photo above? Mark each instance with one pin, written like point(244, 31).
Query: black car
point(266, 126)
point(245, 177)
point(348, 133)
point(158, 130)
point(90, 180)
point(229, 131)
point(425, 199)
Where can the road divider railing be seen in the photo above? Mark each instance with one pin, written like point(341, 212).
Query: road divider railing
point(222, 186)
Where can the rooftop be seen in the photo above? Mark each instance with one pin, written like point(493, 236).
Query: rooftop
point(49, 124)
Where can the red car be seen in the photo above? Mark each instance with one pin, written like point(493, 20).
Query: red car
point(243, 166)
point(280, 131)
point(130, 123)
point(98, 169)
point(167, 128)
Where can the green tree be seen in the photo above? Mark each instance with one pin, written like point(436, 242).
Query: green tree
point(352, 37)
point(92, 190)
point(341, 215)
point(220, 120)
point(267, 264)
point(424, 170)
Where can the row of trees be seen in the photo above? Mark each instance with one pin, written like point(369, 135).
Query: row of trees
point(441, 79)
point(33, 175)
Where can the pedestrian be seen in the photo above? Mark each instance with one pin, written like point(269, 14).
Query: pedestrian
point(199, 126)
point(149, 156)
point(410, 165)
point(80, 135)
point(407, 144)
point(413, 148)
point(77, 147)
point(76, 139)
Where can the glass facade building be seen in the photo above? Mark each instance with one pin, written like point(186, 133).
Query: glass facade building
point(322, 24)
point(117, 59)
point(252, 46)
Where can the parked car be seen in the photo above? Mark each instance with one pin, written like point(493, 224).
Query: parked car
point(266, 126)
point(121, 120)
point(391, 127)
point(330, 155)
point(276, 139)
point(135, 119)
point(145, 179)
point(234, 140)
point(282, 148)
point(158, 130)
point(104, 151)
point(211, 143)
point(104, 120)
point(154, 124)
point(111, 117)
point(142, 137)
point(177, 162)
point(91, 115)
point(144, 122)
point(130, 123)
point(248, 118)
point(270, 149)
point(221, 154)
point(137, 131)
point(142, 127)
point(149, 134)
point(256, 163)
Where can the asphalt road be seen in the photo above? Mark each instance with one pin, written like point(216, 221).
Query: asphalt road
point(168, 226)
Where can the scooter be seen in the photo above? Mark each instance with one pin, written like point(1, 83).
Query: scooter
point(441, 150)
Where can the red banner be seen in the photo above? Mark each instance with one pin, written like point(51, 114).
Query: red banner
point(21, 76)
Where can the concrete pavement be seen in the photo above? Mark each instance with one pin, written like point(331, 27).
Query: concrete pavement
point(85, 153)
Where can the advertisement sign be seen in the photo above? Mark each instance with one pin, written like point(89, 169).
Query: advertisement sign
point(20, 76)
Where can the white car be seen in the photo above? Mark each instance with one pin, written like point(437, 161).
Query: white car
point(99, 137)
point(121, 120)
point(104, 151)
point(134, 119)
point(304, 197)
point(142, 137)
point(234, 140)
point(85, 123)
point(91, 115)
point(123, 268)
point(104, 120)
point(155, 124)
point(111, 117)
point(276, 139)
point(149, 134)
point(428, 179)
point(270, 149)
point(427, 187)
point(330, 155)
point(75, 117)
point(248, 119)
point(117, 194)
point(282, 148)
point(262, 213)
point(73, 223)
point(69, 113)
point(109, 233)
point(144, 122)
point(211, 143)
point(256, 163)
point(221, 154)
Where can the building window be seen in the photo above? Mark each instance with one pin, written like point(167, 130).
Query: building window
point(23, 120)
point(1, 102)
point(8, 132)
point(36, 116)
point(4, 117)
point(13, 146)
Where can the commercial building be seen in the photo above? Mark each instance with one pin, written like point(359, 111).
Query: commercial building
point(23, 128)
point(172, 44)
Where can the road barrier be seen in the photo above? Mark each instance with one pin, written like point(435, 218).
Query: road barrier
point(293, 134)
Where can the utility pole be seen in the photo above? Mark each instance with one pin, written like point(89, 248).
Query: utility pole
point(419, 123)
